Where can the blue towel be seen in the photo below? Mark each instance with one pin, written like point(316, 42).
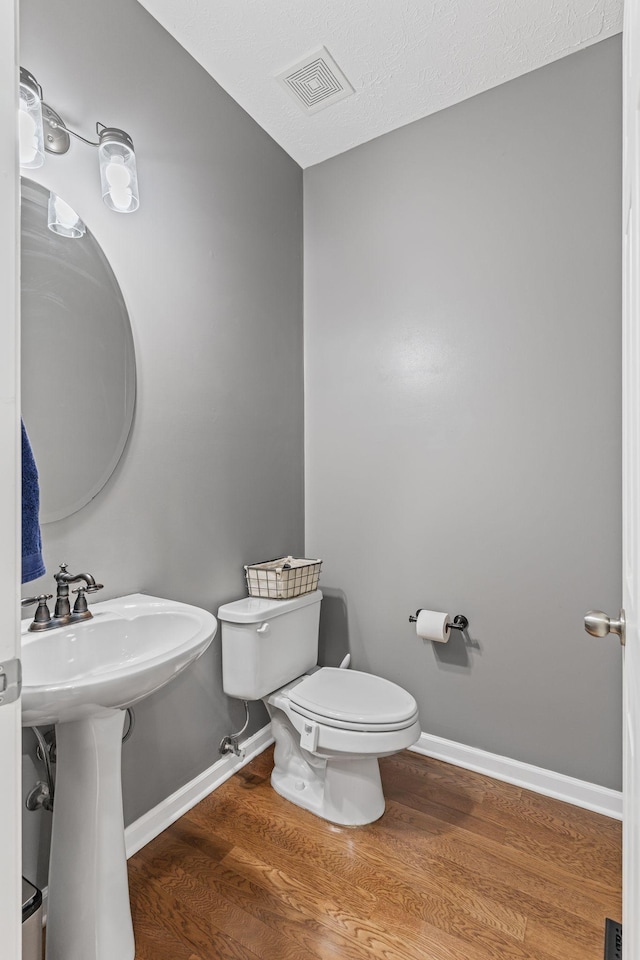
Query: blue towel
point(32, 562)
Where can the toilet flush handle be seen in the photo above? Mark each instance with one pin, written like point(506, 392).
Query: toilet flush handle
point(263, 629)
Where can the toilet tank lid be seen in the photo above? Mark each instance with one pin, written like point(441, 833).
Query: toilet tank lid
point(259, 609)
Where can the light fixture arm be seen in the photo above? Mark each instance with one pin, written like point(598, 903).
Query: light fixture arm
point(61, 125)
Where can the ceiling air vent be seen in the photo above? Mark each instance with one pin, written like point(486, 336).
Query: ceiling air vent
point(316, 82)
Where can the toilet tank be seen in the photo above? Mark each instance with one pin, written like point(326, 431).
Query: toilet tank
point(267, 643)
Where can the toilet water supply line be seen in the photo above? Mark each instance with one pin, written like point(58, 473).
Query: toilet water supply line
point(43, 793)
point(230, 743)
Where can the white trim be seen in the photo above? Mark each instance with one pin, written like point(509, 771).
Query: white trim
point(591, 796)
point(10, 520)
point(152, 823)
point(547, 782)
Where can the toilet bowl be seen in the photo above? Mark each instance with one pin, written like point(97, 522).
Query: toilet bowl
point(330, 728)
point(330, 725)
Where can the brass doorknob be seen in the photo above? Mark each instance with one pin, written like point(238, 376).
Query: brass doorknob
point(598, 624)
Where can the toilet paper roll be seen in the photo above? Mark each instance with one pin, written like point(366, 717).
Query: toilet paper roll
point(432, 625)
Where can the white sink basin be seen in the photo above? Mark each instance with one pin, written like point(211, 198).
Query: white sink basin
point(82, 677)
point(131, 647)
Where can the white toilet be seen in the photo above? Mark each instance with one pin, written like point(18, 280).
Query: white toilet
point(330, 725)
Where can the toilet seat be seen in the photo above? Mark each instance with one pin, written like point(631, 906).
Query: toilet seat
point(352, 700)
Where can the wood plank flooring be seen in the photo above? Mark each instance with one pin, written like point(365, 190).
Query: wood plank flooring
point(460, 867)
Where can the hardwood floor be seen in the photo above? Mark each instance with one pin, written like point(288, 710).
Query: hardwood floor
point(460, 867)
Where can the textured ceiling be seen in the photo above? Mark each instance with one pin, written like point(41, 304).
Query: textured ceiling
point(405, 58)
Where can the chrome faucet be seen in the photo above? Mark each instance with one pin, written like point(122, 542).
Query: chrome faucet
point(63, 614)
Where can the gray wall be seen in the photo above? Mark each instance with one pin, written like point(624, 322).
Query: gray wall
point(211, 270)
point(462, 339)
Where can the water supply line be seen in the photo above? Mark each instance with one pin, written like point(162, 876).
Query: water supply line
point(43, 793)
point(230, 744)
point(131, 717)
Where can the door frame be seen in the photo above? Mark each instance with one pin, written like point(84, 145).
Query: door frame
point(631, 477)
point(10, 725)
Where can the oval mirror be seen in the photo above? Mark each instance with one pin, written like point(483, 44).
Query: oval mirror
point(78, 360)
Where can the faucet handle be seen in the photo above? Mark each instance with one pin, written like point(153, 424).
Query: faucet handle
point(80, 607)
point(27, 601)
point(92, 589)
point(42, 618)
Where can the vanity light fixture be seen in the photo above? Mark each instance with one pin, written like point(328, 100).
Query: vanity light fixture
point(63, 220)
point(118, 174)
point(41, 128)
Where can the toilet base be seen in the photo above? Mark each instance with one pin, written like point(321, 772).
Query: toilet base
point(350, 793)
point(345, 790)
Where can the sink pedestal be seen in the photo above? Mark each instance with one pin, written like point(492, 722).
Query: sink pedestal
point(80, 677)
point(88, 916)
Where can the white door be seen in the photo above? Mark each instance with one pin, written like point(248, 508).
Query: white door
point(631, 482)
point(10, 855)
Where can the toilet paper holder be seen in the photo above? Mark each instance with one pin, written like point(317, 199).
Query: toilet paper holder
point(459, 622)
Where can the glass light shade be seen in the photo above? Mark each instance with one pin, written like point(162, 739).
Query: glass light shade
point(30, 122)
point(118, 175)
point(63, 219)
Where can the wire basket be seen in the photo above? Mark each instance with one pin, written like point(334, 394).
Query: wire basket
point(282, 579)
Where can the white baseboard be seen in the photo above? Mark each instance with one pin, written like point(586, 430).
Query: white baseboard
point(591, 796)
point(152, 823)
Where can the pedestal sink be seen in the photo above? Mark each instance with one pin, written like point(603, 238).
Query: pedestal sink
point(82, 678)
